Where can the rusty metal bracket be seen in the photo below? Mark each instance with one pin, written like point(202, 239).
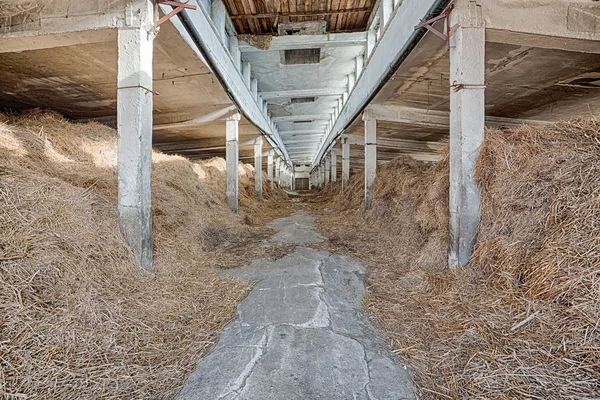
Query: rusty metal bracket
point(178, 7)
point(429, 26)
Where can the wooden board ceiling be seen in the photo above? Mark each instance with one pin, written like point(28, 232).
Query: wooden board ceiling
point(260, 17)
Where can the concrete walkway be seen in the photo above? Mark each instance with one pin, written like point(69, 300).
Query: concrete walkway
point(301, 333)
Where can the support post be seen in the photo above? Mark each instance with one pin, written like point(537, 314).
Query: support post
point(134, 126)
point(234, 50)
point(345, 163)
point(385, 11)
point(327, 169)
point(278, 171)
point(232, 157)
point(247, 73)
point(258, 174)
point(467, 122)
point(270, 167)
point(370, 156)
point(218, 15)
point(333, 167)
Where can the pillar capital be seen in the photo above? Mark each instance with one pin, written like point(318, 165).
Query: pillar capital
point(234, 117)
point(368, 115)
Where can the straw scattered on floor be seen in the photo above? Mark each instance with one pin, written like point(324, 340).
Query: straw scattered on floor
point(522, 320)
point(77, 319)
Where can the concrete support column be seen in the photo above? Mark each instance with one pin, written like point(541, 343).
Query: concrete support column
point(234, 50)
point(345, 163)
point(247, 73)
point(370, 156)
point(258, 176)
point(134, 125)
point(327, 169)
point(385, 11)
point(218, 15)
point(351, 82)
point(359, 66)
point(333, 167)
point(278, 171)
point(467, 123)
point(270, 167)
point(254, 88)
point(371, 41)
point(232, 159)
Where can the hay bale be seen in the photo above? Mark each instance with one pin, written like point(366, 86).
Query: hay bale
point(77, 319)
point(522, 320)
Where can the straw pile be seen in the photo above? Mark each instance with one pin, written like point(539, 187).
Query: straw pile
point(522, 320)
point(77, 320)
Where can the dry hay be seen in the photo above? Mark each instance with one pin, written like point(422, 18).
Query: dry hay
point(522, 321)
point(77, 320)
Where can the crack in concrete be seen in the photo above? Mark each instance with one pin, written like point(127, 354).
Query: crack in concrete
point(308, 357)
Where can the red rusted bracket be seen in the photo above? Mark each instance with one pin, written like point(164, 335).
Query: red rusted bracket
point(429, 26)
point(178, 6)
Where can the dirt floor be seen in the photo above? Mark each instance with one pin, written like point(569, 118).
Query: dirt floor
point(77, 319)
point(522, 320)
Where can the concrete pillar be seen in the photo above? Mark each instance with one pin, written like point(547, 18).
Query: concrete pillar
point(258, 177)
point(232, 158)
point(333, 167)
point(218, 14)
point(278, 171)
point(385, 11)
point(234, 50)
point(270, 167)
point(134, 125)
point(345, 163)
point(351, 82)
point(370, 156)
point(327, 169)
point(467, 122)
point(359, 66)
point(254, 88)
point(371, 41)
point(247, 73)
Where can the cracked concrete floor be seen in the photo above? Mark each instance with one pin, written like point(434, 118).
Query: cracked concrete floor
point(301, 333)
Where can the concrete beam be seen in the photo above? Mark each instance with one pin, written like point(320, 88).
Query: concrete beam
point(399, 36)
point(370, 156)
point(317, 92)
point(572, 25)
point(199, 31)
point(439, 119)
point(52, 26)
point(258, 181)
point(330, 40)
point(307, 117)
point(134, 127)
point(198, 121)
point(232, 159)
point(467, 124)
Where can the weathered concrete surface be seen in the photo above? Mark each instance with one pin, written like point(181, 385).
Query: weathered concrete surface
point(297, 230)
point(300, 334)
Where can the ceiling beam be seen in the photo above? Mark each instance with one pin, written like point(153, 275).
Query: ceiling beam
point(438, 119)
point(290, 42)
point(398, 37)
point(306, 117)
point(316, 92)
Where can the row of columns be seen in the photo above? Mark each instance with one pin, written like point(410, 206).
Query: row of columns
point(467, 125)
